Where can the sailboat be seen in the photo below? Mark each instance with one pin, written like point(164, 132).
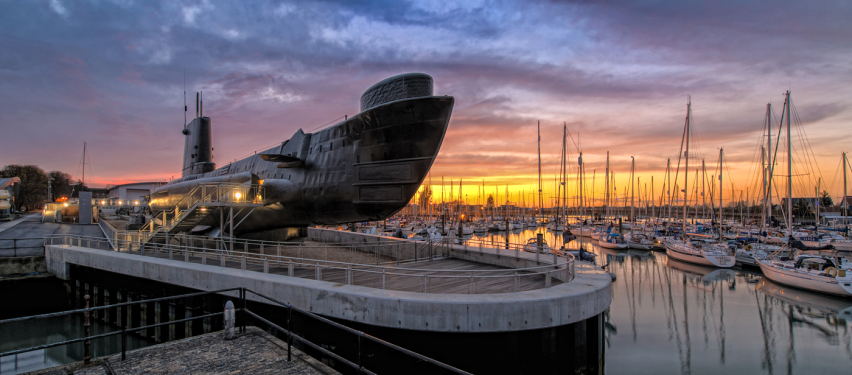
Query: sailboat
point(818, 273)
point(683, 249)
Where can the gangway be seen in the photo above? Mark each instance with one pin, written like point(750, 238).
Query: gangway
point(200, 203)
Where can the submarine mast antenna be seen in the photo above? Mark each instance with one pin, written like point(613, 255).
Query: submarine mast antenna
point(184, 99)
point(184, 103)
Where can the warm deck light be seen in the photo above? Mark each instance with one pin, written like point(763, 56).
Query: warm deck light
point(238, 195)
point(136, 202)
point(66, 204)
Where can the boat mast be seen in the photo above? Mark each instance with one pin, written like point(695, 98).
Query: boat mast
point(765, 171)
point(703, 184)
point(83, 182)
point(632, 187)
point(816, 219)
point(606, 198)
point(845, 201)
point(539, 164)
point(720, 194)
point(770, 164)
point(669, 190)
point(582, 221)
point(789, 172)
point(686, 168)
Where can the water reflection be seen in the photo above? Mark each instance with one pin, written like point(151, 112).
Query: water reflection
point(672, 317)
point(56, 329)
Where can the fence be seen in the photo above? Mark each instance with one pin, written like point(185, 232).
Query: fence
point(23, 247)
point(391, 274)
point(356, 363)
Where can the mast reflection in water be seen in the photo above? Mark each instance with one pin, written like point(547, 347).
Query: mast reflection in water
point(669, 317)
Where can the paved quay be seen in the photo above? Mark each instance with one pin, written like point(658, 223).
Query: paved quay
point(253, 352)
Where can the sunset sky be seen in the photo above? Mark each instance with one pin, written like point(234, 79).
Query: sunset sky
point(111, 73)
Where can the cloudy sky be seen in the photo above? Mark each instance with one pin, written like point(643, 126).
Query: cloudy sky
point(618, 73)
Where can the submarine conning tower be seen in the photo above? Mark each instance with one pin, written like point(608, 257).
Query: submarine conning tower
point(403, 86)
point(198, 148)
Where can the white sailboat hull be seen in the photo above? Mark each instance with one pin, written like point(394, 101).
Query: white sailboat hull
point(610, 245)
point(696, 256)
point(639, 246)
point(804, 280)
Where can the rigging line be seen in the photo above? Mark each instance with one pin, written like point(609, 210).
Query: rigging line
point(806, 140)
point(328, 123)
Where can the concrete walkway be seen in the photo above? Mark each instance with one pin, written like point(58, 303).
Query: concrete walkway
point(254, 352)
point(10, 224)
point(29, 232)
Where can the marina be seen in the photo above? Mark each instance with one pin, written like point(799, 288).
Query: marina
point(425, 187)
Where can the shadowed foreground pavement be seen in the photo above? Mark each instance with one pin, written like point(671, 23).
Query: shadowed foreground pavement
point(253, 352)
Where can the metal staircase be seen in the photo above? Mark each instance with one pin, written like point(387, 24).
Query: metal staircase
point(201, 202)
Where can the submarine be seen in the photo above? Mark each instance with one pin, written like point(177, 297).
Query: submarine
point(365, 168)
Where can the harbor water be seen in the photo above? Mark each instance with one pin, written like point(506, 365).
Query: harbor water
point(666, 317)
point(669, 317)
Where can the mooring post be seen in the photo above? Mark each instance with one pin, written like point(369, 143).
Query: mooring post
point(349, 274)
point(289, 331)
point(515, 289)
point(230, 318)
point(87, 353)
point(123, 343)
point(243, 321)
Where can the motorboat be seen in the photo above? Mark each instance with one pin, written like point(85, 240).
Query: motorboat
point(706, 254)
point(613, 241)
point(638, 241)
point(533, 246)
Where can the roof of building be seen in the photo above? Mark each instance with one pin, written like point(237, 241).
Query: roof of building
point(4, 182)
point(137, 183)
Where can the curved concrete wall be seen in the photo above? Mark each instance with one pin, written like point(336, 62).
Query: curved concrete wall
point(586, 296)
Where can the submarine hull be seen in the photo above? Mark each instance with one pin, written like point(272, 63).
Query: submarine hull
point(363, 169)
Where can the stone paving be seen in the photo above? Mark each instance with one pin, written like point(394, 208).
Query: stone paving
point(253, 352)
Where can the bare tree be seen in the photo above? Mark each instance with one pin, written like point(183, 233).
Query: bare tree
point(60, 184)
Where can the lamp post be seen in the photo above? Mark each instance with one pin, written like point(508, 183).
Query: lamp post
point(49, 190)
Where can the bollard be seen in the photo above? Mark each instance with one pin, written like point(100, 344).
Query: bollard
point(265, 265)
point(87, 353)
point(289, 268)
point(243, 262)
point(230, 320)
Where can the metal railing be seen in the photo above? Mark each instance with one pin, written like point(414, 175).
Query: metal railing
point(388, 275)
point(356, 363)
point(14, 247)
point(207, 193)
point(109, 231)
